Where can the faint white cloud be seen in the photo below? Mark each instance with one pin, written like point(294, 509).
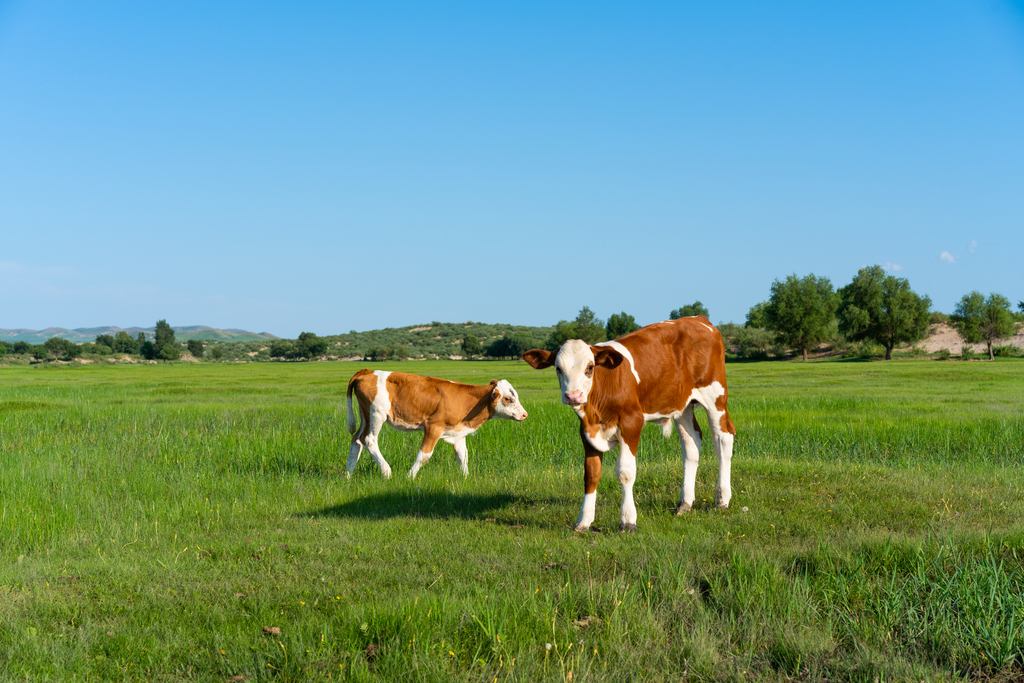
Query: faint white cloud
point(892, 266)
point(947, 257)
point(972, 246)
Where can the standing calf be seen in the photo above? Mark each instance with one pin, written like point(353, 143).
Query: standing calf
point(656, 374)
point(439, 408)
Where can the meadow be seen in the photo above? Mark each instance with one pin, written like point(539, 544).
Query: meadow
point(194, 522)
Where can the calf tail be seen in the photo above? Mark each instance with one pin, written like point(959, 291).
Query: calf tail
point(351, 415)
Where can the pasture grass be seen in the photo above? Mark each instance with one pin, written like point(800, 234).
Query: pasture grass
point(195, 523)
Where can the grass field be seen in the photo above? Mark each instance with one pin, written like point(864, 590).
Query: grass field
point(194, 523)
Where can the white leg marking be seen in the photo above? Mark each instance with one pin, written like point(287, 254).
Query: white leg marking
point(586, 517)
point(723, 445)
point(625, 469)
point(353, 457)
point(379, 410)
point(462, 455)
point(421, 460)
point(690, 440)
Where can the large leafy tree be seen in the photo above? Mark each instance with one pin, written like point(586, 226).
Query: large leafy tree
point(983, 319)
point(308, 345)
point(755, 316)
point(696, 308)
point(620, 324)
point(586, 326)
point(471, 346)
point(882, 308)
point(801, 311)
point(163, 342)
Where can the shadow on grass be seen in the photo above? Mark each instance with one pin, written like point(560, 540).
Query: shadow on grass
point(426, 504)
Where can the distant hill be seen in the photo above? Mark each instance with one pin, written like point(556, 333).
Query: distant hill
point(88, 334)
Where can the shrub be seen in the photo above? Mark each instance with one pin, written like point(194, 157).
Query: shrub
point(966, 353)
point(1008, 351)
point(938, 317)
point(195, 347)
point(217, 352)
point(944, 354)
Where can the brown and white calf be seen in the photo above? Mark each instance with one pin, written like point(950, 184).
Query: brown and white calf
point(657, 374)
point(439, 408)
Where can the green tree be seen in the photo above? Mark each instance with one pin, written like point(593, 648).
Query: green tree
point(195, 347)
point(164, 335)
point(511, 346)
point(471, 346)
point(308, 345)
point(62, 348)
point(755, 316)
point(801, 311)
point(619, 324)
point(170, 352)
point(148, 350)
point(105, 340)
point(586, 326)
point(883, 309)
point(217, 352)
point(21, 347)
point(696, 308)
point(124, 343)
point(980, 319)
point(3, 349)
point(378, 353)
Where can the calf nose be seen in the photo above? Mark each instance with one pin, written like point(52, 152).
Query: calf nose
point(574, 397)
point(525, 415)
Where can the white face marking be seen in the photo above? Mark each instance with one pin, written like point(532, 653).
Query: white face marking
point(625, 354)
point(508, 406)
point(574, 365)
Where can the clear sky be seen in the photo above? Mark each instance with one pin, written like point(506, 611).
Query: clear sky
point(323, 167)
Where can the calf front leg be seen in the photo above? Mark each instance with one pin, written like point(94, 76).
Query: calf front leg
point(591, 478)
point(462, 455)
point(430, 439)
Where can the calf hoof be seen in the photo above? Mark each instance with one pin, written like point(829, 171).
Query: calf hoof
point(683, 509)
point(627, 527)
point(386, 473)
point(579, 528)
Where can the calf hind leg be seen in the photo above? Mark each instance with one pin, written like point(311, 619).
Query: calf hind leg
point(690, 437)
point(723, 432)
point(376, 422)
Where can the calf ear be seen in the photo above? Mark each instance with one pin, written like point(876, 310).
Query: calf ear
point(539, 358)
point(606, 357)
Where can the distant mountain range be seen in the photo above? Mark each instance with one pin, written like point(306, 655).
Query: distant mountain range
point(88, 334)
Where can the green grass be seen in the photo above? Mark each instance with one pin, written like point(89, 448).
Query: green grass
point(153, 520)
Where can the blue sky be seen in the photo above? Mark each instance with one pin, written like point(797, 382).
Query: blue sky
point(322, 167)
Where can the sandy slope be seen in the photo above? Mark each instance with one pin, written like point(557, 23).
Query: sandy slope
point(942, 336)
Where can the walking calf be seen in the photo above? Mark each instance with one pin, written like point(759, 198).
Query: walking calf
point(440, 408)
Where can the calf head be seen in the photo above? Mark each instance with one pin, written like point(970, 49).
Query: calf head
point(574, 363)
point(505, 401)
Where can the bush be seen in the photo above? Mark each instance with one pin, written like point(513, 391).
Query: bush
point(195, 347)
point(1008, 351)
point(938, 317)
point(170, 352)
point(944, 354)
point(966, 353)
point(217, 352)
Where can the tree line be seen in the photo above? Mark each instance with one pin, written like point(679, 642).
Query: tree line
point(803, 312)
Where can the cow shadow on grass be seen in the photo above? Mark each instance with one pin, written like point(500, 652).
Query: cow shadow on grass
point(426, 504)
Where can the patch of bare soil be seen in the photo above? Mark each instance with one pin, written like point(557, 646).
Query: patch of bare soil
point(421, 329)
point(943, 336)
